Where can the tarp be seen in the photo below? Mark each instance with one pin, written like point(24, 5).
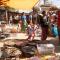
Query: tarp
point(22, 4)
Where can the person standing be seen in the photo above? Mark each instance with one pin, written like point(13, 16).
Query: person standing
point(24, 22)
point(31, 31)
point(34, 17)
point(43, 21)
point(16, 18)
point(10, 19)
point(58, 23)
point(30, 16)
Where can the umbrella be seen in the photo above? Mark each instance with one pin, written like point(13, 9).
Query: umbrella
point(22, 4)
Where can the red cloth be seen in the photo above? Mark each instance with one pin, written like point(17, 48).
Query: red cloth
point(31, 37)
point(58, 21)
point(44, 33)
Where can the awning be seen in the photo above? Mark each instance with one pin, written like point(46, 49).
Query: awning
point(22, 4)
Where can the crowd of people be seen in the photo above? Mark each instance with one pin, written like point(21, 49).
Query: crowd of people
point(32, 21)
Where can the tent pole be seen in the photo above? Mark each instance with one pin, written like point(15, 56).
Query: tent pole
point(6, 16)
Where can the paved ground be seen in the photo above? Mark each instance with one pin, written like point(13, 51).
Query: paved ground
point(23, 36)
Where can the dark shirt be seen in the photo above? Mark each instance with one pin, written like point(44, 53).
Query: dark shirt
point(41, 21)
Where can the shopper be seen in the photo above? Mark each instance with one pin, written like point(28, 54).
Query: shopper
point(24, 22)
point(10, 19)
point(58, 23)
point(31, 31)
point(43, 21)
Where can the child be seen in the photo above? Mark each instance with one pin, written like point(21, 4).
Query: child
point(31, 32)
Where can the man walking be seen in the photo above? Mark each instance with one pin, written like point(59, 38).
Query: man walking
point(43, 21)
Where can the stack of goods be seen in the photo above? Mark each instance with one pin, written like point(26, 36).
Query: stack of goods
point(9, 42)
point(4, 35)
point(45, 49)
point(12, 51)
point(28, 51)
